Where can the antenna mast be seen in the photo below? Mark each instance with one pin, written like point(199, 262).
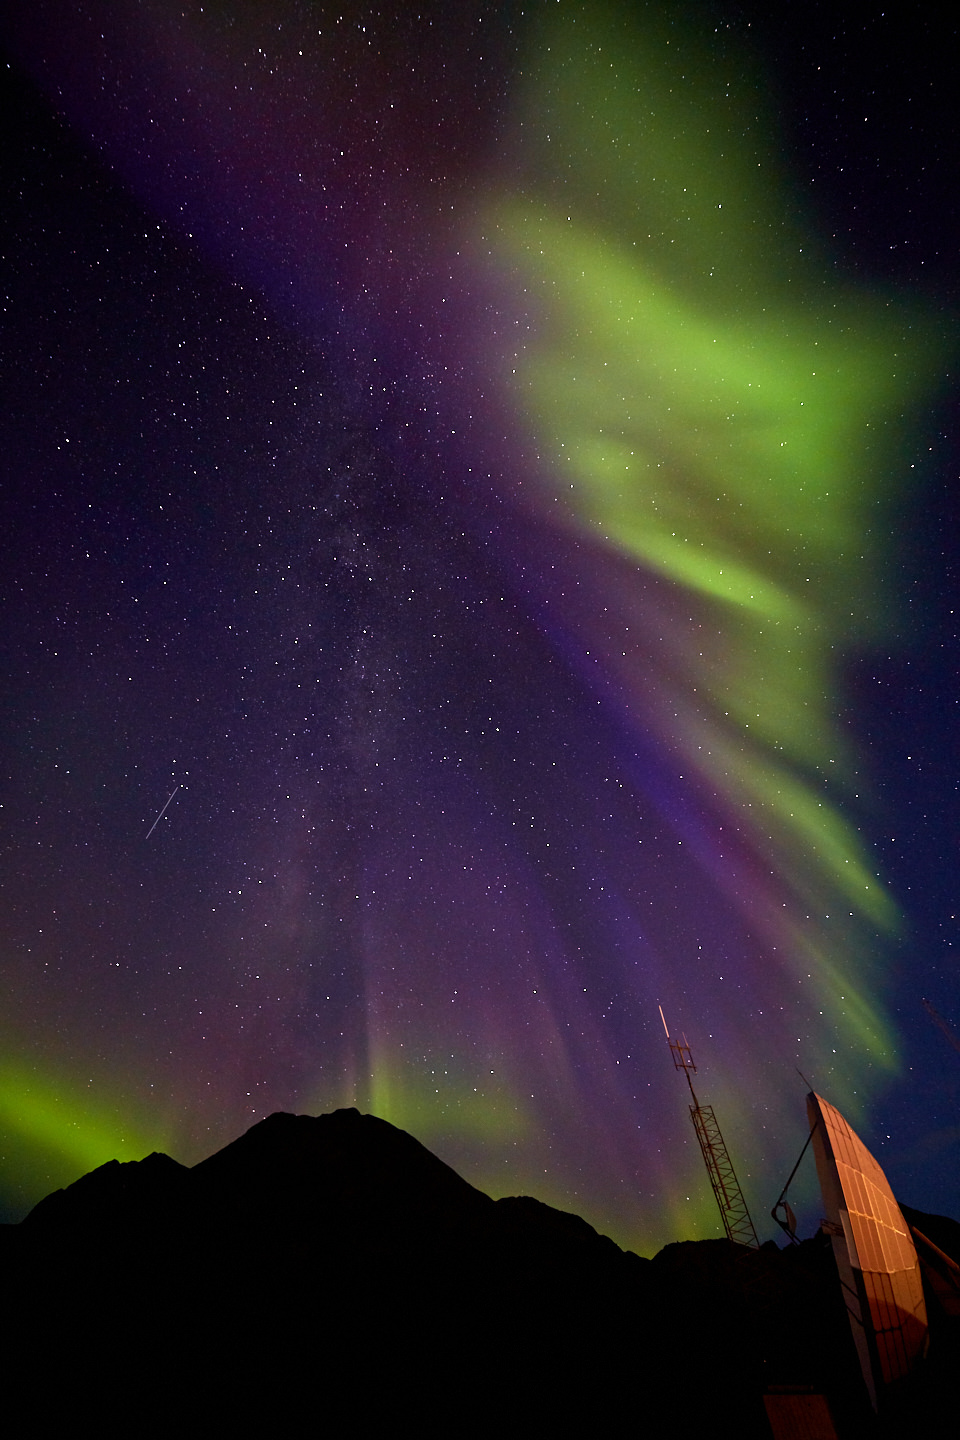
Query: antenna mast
point(944, 1026)
point(726, 1186)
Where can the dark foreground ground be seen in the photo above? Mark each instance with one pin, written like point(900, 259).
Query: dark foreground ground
point(330, 1276)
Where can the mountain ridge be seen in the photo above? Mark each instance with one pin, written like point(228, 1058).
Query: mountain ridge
point(334, 1261)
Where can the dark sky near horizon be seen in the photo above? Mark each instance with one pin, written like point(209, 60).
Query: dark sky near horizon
point(382, 488)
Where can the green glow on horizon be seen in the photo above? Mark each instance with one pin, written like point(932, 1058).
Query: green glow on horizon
point(432, 1098)
point(64, 1130)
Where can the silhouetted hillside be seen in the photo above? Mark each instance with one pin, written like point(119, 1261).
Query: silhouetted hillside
point(330, 1272)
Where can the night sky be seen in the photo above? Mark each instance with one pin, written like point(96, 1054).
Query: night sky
point(490, 473)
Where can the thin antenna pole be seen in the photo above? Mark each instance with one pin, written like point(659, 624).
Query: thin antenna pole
point(944, 1026)
point(789, 1223)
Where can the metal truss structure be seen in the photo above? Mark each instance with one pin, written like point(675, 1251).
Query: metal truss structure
point(723, 1179)
point(726, 1186)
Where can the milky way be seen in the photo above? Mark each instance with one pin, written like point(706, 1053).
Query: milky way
point(452, 473)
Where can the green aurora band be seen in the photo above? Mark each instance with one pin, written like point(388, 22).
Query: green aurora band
point(705, 397)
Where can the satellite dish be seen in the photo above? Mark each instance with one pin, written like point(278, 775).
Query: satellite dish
point(875, 1254)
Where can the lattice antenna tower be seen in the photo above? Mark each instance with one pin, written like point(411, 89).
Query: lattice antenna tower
point(723, 1179)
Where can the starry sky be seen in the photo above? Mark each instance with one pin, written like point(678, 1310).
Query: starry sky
point(480, 563)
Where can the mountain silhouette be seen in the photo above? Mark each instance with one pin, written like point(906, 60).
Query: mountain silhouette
point(328, 1272)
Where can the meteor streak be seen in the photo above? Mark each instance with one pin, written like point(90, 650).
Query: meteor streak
point(162, 813)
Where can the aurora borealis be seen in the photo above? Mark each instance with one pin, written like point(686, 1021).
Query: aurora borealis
point(458, 455)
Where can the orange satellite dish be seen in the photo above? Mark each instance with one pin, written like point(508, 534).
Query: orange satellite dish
point(874, 1251)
